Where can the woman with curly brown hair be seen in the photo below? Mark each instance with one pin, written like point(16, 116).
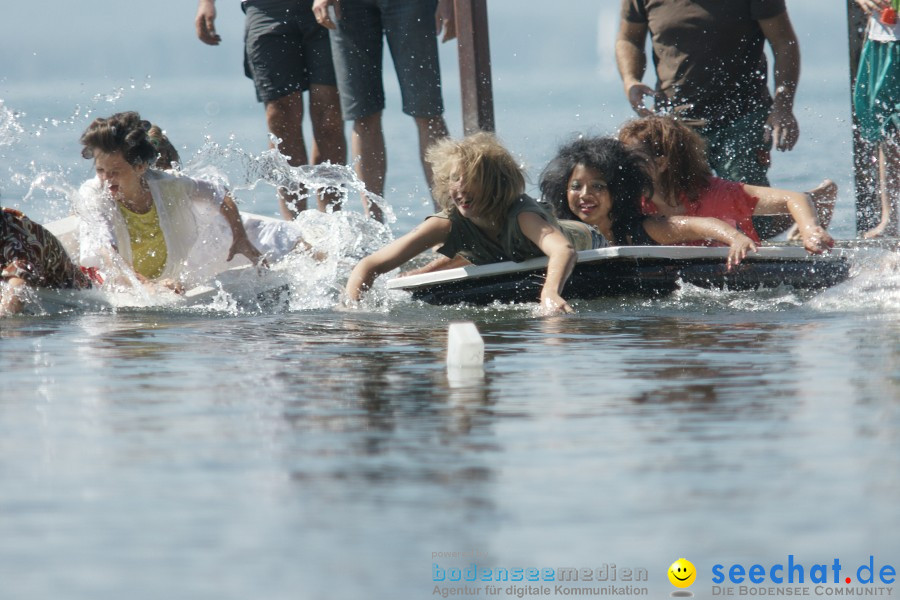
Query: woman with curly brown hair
point(683, 184)
point(166, 227)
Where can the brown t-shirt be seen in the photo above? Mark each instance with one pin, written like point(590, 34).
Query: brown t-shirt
point(470, 242)
point(708, 53)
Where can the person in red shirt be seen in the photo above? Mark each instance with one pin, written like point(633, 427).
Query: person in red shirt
point(683, 184)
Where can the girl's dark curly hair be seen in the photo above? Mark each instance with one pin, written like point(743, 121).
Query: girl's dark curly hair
point(625, 171)
point(123, 132)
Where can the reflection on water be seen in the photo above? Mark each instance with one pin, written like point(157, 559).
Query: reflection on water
point(215, 450)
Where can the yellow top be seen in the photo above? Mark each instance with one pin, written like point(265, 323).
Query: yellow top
point(148, 246)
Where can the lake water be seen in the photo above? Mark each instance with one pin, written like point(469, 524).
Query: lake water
point(305, 452)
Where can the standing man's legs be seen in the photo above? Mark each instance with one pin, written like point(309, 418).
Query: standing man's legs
point(888, 178)
point(431, 129)
point(357, 47)
point(409, 26)
point(286, 53)
point(284, 117)
point(357, 50)
point(370, 158)
point(329, 141)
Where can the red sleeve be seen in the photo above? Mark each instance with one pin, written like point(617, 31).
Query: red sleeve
point(728, 202)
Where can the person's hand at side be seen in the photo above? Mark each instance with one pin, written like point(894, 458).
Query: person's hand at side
point(205, 22)
point(631, 62)
point(323, 18)
point(782, 129)
point(871, 6)
point(445, 19)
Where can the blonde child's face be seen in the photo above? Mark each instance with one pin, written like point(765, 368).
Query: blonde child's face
point(588, 195)
point(462, 197)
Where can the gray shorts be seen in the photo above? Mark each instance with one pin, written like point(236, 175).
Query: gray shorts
point(285, 50)
point(409, 27)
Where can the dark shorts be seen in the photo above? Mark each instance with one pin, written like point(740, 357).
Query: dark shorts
point(409, 27)
point(30, 252)
point(285, 50)
point(738, 152)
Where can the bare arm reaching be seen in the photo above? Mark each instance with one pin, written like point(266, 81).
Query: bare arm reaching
point(678, 230)
point(561, 261)
point(427, 235)
point(774, 201)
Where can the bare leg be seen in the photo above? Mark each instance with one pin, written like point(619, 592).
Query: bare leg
point(370, 157)
point(330, 143)
point(431, 129)
point(888, 172)
point(284, 117)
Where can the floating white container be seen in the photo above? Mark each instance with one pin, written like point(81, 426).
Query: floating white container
point(465, 348)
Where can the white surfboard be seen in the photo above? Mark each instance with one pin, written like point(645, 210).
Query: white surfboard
point(624, 270)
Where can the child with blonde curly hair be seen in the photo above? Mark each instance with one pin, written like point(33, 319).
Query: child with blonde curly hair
point(486, 218)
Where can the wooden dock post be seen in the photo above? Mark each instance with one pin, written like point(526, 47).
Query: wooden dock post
point(865, 165)
point(475, 65)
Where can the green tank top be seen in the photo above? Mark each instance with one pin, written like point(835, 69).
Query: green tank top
point(467, 240)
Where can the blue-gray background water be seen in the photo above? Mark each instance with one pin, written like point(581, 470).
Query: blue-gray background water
point(312, 453)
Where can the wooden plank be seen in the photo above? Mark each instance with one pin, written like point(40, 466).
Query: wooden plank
point(865, 165)
point(475, 65)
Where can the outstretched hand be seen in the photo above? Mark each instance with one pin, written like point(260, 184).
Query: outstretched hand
point(243, 246)
point(554, 304)
point(816, 240)
point(740, 246)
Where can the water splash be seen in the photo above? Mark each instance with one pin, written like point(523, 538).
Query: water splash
point(11, 130)
point(873, 285)
point(243, 170)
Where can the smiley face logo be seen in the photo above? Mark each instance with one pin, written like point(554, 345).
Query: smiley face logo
point(682, 573)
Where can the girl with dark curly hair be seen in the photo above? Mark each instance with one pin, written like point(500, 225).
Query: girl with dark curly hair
point(600, 181)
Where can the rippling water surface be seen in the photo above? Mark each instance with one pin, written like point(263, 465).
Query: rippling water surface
point(325, 454)
point(236, 451)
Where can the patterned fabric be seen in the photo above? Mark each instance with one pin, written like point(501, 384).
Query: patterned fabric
point(30, 252)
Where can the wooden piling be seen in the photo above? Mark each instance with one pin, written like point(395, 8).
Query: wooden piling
point(475, 65)
point(865, 166)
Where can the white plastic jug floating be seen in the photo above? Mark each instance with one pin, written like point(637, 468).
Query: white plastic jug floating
point(465, 348)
